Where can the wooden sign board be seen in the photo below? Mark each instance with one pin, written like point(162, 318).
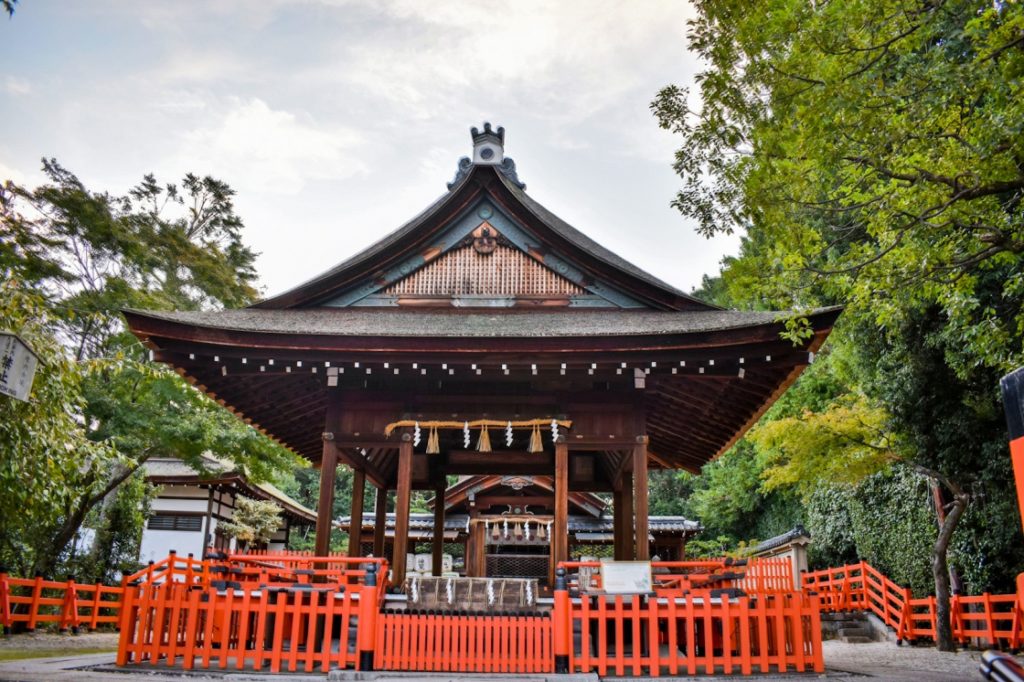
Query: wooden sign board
point(17, 366)
point(626, 577)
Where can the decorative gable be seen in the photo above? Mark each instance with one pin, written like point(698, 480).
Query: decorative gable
point(484, 270)
point(483, 261)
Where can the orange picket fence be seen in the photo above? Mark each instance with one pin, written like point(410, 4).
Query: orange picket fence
point(707, 631)
point(459, 642)
point(984, 620)
point(32, 601)
point(226, 623)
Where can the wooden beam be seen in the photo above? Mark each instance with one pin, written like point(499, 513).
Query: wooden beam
point(358, 462)
point(503, 463)
point(325, 506)
point(642, 520)
point(380, 521)
point(355, 527)
point(560, 528)
point(402, 499)
point(437, 547)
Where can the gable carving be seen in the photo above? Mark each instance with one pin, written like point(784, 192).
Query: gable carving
point(494, 270)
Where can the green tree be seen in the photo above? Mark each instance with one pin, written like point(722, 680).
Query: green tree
point(87, 255)
point(871, 152)
point(43, 448)
point(118, 526)
point(253, 522)
point(874, 147)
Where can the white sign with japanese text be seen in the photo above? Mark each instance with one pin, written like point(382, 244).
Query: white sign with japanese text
point(626, 577)
point(17, 366)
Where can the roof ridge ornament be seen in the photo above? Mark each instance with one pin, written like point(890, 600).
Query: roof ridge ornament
point(488, 150)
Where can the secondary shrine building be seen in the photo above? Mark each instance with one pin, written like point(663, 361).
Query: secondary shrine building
point(487, 337)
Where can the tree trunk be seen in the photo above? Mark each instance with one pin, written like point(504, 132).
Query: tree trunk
point(940, 571)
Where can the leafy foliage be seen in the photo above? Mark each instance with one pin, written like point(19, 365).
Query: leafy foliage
point(82, 256)
point(44, 451)
point(872, 149)
point(118, 529)
point(253, 522)
point(871, 152)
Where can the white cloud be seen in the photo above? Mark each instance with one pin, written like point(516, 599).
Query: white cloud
point(270, 151)
point(12, 174)
point(17, 86)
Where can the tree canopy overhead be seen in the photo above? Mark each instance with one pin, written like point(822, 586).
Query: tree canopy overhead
point(878, 147)
point(871, 154)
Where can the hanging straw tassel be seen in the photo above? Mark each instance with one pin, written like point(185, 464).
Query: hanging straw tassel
point(484, 443)
point(536, 443)
point(433, 446)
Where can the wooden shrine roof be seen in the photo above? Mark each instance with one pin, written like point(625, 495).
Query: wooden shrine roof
point(488, 296)
point(552, 241)
point(455, 323)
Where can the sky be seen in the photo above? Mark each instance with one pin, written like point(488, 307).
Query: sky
point(336, 121)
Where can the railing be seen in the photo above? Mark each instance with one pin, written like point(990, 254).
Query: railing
point(302, 626)
point(172, 569)
point(32, 601)
point(704, 630)
point(460, 642)
point(992, 620)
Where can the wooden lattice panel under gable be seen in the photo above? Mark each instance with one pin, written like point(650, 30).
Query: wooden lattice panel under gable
point(505, 272)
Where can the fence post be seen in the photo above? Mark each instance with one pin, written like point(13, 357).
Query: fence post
point(5, 599)
point(367, 633)
point(904, 627)
point(561, 620)
point(69, 609)
point(127, 621)
point(33, 608)
point(97, 604)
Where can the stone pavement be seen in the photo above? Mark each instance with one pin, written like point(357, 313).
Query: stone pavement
point(851, 662)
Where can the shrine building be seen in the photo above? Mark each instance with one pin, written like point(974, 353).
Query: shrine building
point(486, 337)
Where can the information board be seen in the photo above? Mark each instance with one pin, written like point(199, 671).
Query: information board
point(626, 577)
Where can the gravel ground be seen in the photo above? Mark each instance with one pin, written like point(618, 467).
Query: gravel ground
point(891, 662)
point(63, 641)
point(848, 662)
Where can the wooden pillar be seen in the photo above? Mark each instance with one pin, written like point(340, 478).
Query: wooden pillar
point(380, 521)
point(475, 545)
point(402, 497)
point(642, 522)
point(325, 506)
point(560, 529)
point(624, 534)
point(437, 548)
point(355, 526)
point(618, 528)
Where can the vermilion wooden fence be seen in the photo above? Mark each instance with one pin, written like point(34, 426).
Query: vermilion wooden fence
point(68, 604)
point(289, 611)
point(454, 642)
point(983, 620)
point(704, 631)
point(239, 625)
